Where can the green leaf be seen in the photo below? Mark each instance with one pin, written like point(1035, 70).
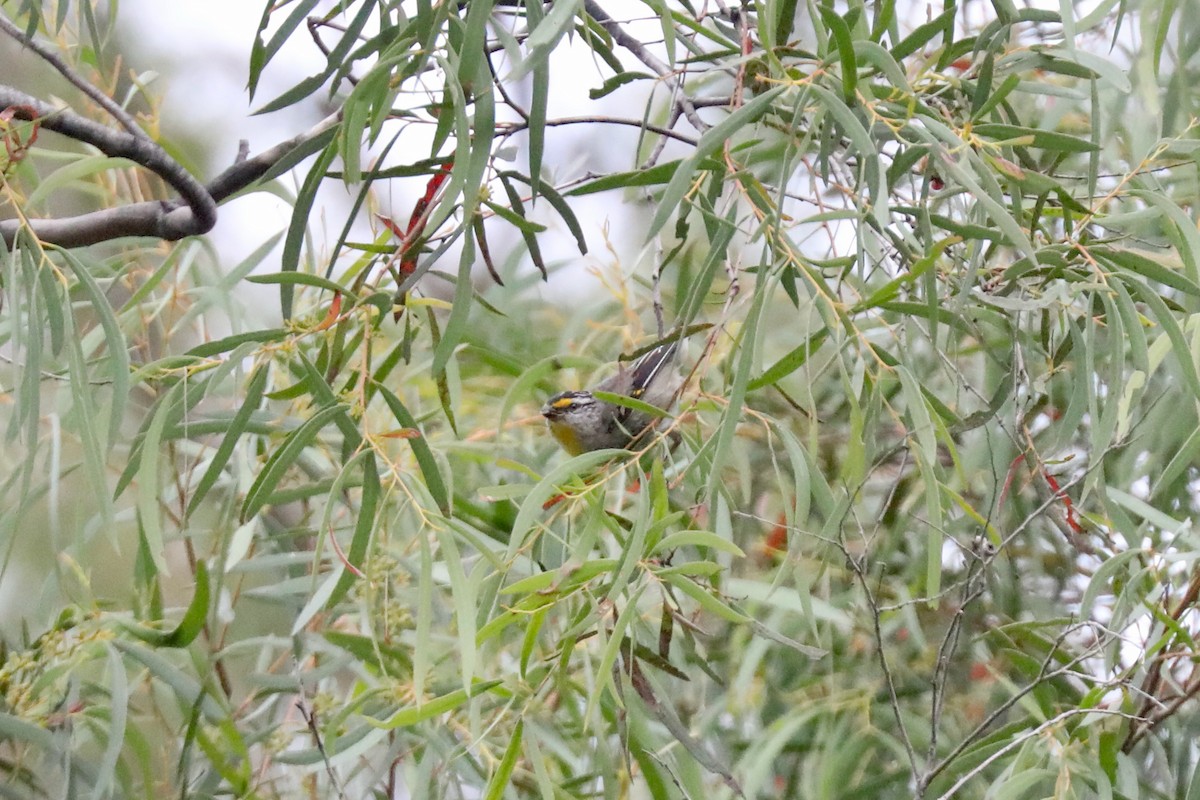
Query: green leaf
point(922, 35)
point(656, 175)
point(705, 599)
point(420, 447)
point(215, 348)
point(364, 527)
point(1144, 266)
point(616, 82)
point(193, 619)
point(712, 139)
point(412, 715)
point(845, 49)
point(303, 279)
point(298, 226)
point(547, 487)
point(337, 59)
point(545, 37)
point(790, 362)
point(1035, 137)
point(233, 434)
point(284, 457)
point(698, 539)
point(501, 777)
point(260, 53)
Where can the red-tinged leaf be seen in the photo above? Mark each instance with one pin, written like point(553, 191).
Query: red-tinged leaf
point(334, 313)
point(1007, 167)
point(431, 187)
point(1067, 504)
point(391, 225)
point(420, 214)
point(341, 554)
point(401, 433)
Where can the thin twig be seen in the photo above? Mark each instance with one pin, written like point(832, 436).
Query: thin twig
point(1020, 740)
point(509, 128)
point(310, 719)
point(860, 573)
point(1003, 708)
point(626, 40)
point(77, 80)
point(942, 667)
point(661, 144)
point(313, 24)
point(1154, 675)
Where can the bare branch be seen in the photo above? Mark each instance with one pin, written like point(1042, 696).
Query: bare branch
point(1024, 737)
point(162, 220)
point(509, 128)
point(193, 213)
point(623, 38)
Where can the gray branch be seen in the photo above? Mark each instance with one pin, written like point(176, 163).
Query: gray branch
point(193, 213)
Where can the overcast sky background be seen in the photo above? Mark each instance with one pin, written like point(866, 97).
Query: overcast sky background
point(201, 50)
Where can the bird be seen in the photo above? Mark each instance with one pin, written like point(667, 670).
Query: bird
point(582, 422)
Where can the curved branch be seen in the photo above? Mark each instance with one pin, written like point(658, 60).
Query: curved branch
point(194, 212)
point(172, 223)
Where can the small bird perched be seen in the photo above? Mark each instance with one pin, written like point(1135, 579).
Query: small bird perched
point(580, 421)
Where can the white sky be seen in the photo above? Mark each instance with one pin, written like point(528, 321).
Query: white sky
point(201, 50)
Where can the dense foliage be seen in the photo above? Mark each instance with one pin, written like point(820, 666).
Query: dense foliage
point(922, 526)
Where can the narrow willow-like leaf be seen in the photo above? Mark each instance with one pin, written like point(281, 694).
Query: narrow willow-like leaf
point(284, 457)
point(545, 37)
point(455, 329)
point(713, 138)
point(72, 174)
point(336, 59)
point(234, 432)
point(298, 226)
point(364, 527)
point(471, 68)
point(86, 420)
point(432, 708)
point(704, 598)
point(1166, 320)
point(190, 625)
point(303, 279)
point(118, 719)
point(791, 362)
point(737, 389)
point(922, 35)
point(420, 448)
point(148, 475)
point(1188, 237)
point(845, 50)
point(654, 176)
point(560, 206)
point(261, 53)
point(614, 642)
point(547, 487)
point(463, 595)
point(184, 686)
point(500, 778)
